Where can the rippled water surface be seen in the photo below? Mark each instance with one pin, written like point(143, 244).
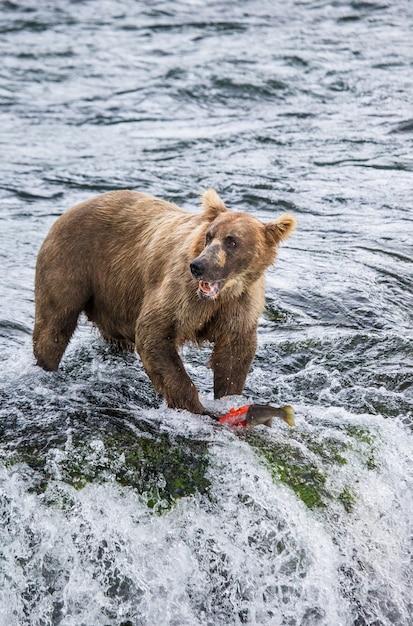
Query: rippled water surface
point(116, 511)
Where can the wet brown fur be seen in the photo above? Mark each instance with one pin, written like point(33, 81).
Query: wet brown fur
point(123, 258)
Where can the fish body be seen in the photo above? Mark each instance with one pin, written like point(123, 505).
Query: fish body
point(251, 415)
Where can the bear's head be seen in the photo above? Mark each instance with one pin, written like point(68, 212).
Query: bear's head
point(236, 248)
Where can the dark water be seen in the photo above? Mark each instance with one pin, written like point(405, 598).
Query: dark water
point(116, 511)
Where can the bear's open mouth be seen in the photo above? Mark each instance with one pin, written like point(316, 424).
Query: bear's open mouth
point(208, 290)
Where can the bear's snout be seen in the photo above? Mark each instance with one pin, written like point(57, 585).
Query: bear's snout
point(197, 268)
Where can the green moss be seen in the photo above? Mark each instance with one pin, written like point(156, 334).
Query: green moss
point(364, 443)
point(289, 466)
point(330, 450)
point(304, 460)
point(276, 315)
point(347, 499)
point(163, 469)
point(307, 485)
point(360, 434)
point(160, 469)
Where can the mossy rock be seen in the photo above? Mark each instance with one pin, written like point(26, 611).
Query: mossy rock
point(160, 468)
point(290, 467)
point(111, 445)
point(304, 461)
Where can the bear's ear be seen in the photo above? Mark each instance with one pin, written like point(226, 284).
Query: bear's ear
point(280, 229)
point(213, 204)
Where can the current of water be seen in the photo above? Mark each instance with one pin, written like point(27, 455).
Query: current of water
point(114, 510)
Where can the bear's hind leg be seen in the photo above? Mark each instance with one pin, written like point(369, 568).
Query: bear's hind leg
point(51, 336)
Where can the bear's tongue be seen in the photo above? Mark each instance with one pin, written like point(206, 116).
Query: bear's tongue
point(209, 289)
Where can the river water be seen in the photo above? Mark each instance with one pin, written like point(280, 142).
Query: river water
point(116, 511)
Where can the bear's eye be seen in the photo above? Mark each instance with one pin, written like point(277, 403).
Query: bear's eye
point(231, 241)
point(208, 238)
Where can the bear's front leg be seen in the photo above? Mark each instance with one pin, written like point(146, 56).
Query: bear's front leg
point(166, 371)
point(231, 360)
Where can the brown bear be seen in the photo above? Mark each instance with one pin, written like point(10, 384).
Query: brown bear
point(151, 277)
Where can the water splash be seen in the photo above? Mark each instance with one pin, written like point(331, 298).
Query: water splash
point(110, 523)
